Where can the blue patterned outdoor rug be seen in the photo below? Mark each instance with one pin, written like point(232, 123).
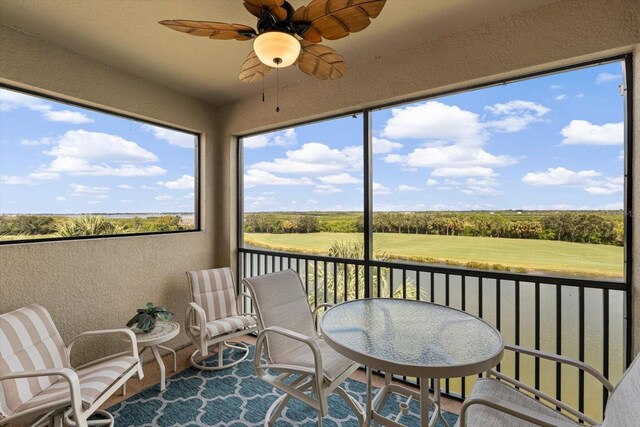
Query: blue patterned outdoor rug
point(236, 397)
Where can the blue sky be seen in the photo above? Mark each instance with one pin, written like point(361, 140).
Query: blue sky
point(57, 158)
point(553, 142)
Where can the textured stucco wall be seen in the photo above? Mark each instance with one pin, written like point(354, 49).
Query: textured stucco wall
point(99, 283)
point(562, 33)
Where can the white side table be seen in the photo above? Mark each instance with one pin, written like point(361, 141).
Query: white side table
point(163, 332)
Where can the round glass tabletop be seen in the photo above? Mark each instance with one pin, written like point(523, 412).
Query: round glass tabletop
point(412, 338)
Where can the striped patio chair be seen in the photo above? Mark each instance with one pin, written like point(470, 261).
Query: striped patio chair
point(215, 316)
point(38, 381)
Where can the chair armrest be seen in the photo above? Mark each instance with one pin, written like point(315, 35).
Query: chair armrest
point(562, 359)
point(511, 409)
point(317, 356)
point(200, 315)
point(239, 300)
point(314, 315)
point(68, 374)
point(119, 331)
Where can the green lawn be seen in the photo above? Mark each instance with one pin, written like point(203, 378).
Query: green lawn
point(532, 255)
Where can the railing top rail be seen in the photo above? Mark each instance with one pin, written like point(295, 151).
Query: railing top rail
point(455, 271)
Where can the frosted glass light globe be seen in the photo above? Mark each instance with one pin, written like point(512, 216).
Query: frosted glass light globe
point(276, 49)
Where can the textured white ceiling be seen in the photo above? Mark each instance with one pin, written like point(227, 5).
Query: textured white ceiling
point(125, 34)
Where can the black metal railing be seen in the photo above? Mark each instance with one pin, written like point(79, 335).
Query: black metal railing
point(584, 319)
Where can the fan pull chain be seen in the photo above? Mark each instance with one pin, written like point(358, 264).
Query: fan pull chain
point(277, 90)
point(263, 88)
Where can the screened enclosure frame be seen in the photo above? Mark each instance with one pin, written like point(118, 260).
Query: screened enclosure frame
point(105, 110)
point(369, 263)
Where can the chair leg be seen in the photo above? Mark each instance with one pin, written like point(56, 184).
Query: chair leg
point(238, 346)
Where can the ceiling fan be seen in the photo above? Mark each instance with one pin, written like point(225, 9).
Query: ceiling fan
point(286, 36)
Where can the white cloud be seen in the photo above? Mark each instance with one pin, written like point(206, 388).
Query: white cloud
point(280, 138)
point(14, 180)
point(614, 206)
point(403, 187)
point(126, 201)
point(326, 189)
point(431, 182)
point(255, 202)
point(185, 182)
point(560, 176)
point(463, 171)
point(67, 116)
point(454, 139)
point(555, 87)
point(315, 158)
point(173, 137)
point(582, 132)
point(561, 97)
point(606, 187)
point(189, 196)
point(517, 115)
point(99, 147)
point(341, 178)
point(380, 190)
point(580, 95)
point(125, 186)
point(395, 158)
point(607, 77)
point(44, 175)
point(148, 187)
point(79, 152)
point(590, 181)
point(476, 190)
point(10, 100)
point(41, 141)
point(61, 199)
point(163, 197)
point(382, 146)
point(81, 190)
point(434, 120)
point(255, 177)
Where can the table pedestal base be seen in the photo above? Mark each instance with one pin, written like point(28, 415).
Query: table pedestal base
point(376, 404)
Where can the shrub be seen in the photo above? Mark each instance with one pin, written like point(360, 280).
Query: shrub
point(88, 225)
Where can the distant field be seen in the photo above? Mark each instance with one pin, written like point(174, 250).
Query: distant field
point(564, 258)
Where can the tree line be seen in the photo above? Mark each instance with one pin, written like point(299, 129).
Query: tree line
point(85, 225)
point(569, 226)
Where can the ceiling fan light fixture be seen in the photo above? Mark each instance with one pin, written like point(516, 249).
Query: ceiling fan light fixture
point(276, 49)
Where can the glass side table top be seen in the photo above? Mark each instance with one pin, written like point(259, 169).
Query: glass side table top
point(412, 338)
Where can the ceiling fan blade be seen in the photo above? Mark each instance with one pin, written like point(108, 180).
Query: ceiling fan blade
point(275, 7)
point(213, 30)
point(310, 34)
point(252, 69)
point(321, 61)
point(336, 19)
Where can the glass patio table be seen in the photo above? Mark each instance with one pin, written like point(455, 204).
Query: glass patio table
point(412, 338)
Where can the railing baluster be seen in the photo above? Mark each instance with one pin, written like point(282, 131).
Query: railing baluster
point(605, 343)
point(480, 294)
point(391, 293)
point(447, 278)
point(498, 296)
point(335, 282)
point(273, 263)
point(517, 337)
point(558, 341)
point(537, 334)
point(356, 272)
point(378, 281)
point(324, 290)
point(404, 283)
point(346, 283)
point(315, 283)
point(433, 287)
point(281, 263)
point(306, 276)
point(463, 306)
point(418, 297)
point(581, 348)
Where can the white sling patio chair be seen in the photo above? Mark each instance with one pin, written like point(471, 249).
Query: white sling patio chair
point(37, 379)
point(298, 360)
point(213, 316)
point(495, 401)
